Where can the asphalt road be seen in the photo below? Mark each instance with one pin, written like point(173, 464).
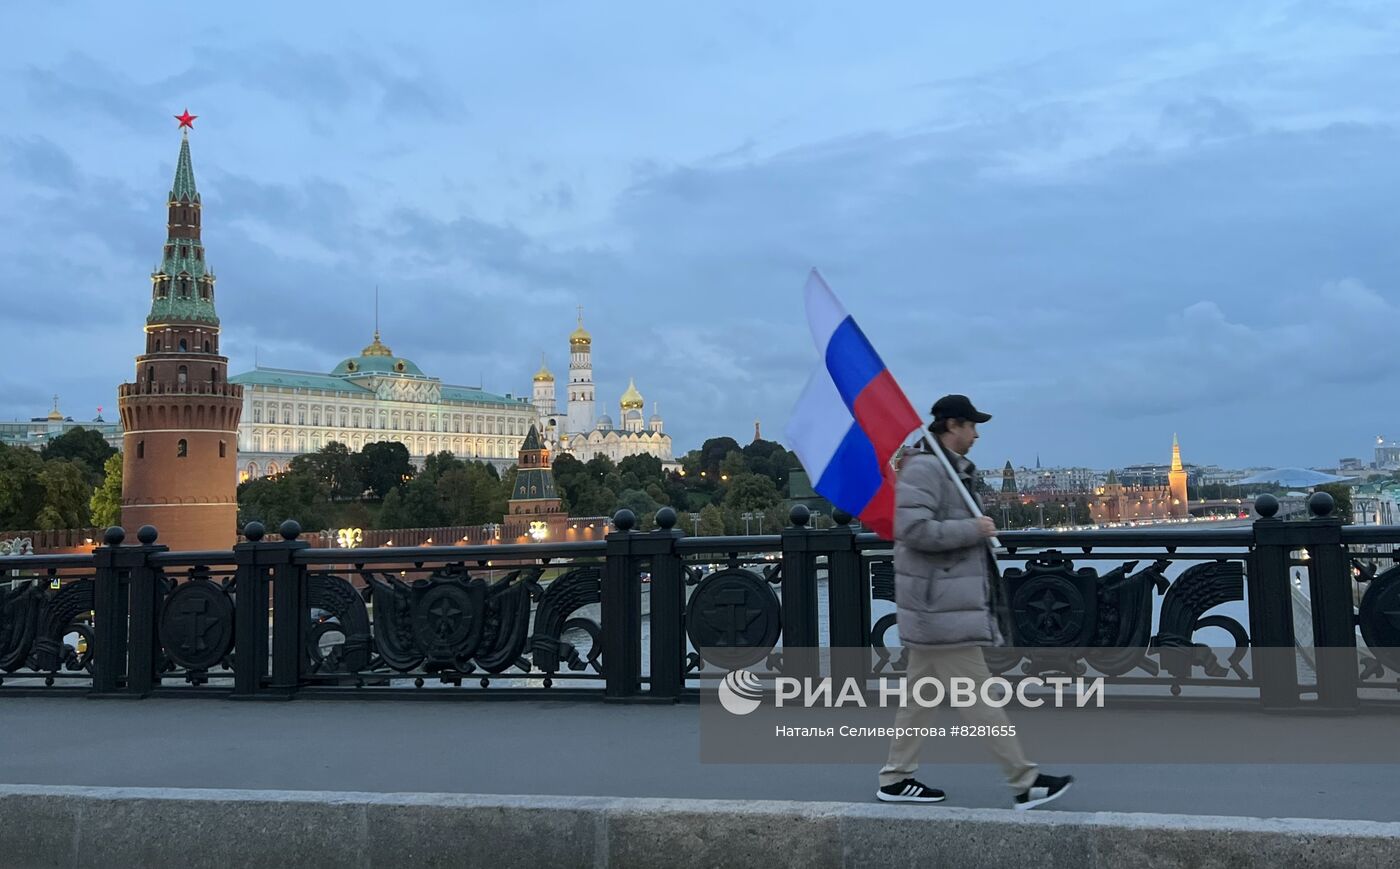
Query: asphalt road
point(572, 748)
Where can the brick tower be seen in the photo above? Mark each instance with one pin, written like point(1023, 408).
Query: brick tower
point(180, 448)
point(1176, 483)
point(535, 511)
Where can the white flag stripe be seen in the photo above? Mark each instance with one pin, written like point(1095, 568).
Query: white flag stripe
point(818, 423)
point(824, 311)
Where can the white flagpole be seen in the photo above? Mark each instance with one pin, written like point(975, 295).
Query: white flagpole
point(937, 449)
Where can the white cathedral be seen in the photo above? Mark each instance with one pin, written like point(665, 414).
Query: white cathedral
point(577, 432)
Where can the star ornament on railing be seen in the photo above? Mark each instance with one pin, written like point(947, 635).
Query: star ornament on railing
point(186, 120)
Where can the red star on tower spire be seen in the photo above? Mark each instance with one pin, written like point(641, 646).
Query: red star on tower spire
point(186, 120)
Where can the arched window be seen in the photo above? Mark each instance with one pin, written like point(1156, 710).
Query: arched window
point(183, 345)
point(150, 374)
point(182, 448)
point(213, 375)
point(140, 449)
point(208, 347)
point(182, 375)
point(223, 449)
point(157, 345)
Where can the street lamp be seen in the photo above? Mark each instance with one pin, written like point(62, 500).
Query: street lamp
point(816, 519)
point(695, 520)
point(747, 517)
point(758, 514)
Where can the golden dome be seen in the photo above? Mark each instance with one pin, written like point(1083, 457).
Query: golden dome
point(376, 347)
point(580, 337)
point(543, 375)
point(632, 399)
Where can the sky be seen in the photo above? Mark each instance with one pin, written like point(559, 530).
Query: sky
point(1106, 223)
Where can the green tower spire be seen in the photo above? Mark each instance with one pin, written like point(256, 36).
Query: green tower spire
point(182, 288)
point(184, 188)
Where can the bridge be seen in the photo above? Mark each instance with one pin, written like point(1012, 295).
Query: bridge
point(1287, 507)
point(577, 679)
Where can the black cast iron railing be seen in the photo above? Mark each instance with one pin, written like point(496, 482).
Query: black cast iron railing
point(1289, 614)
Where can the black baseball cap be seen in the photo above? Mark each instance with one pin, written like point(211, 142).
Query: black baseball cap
point(957, 407)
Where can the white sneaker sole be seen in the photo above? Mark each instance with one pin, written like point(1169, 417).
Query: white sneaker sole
point(1030, 804)
point(898, 798)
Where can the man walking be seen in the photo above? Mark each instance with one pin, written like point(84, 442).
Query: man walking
point(948, 601)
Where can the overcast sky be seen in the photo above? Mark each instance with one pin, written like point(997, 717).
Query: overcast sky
point(1104, 222)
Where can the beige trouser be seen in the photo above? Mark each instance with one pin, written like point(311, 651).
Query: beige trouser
point(943, 663)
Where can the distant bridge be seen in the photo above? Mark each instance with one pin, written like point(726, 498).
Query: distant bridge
point(1287, 507)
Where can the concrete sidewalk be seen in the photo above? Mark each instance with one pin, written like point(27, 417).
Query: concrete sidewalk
point(579, 748)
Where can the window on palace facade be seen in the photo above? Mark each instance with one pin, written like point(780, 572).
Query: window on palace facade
point(223, 449)
point(182, 448)
point(257, 413)
point(301, 416)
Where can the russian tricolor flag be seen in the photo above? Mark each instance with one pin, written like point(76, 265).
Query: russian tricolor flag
point(852, 416)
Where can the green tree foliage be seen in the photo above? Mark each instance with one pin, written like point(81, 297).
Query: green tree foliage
point(711, 521)
point(273, 500)
point(393, 514)
point(583, 485)
point(21, 492)
point(750, 492)
point(106, 502)
point(84, 445)
point(335, 468)
point(383, 467)
point(642, 505)
point(772, 460)
point(67, 493)
point(713, 451)
point(643, 468)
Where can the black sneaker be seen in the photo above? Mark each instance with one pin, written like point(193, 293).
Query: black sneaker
point(910, 791)
point(1045, 789)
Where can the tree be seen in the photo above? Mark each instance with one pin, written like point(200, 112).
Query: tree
point(335, 468)
point(106, 503)
point(713, 451)
point(749, 493)
point(85, 445)
point(273, 500)
point(392, 513)
point(733, 465)
point(384, 466)
point(66, 495)
point(771, 459)
point(642, 505)
point(21, 493)
point(711, 521)
point(646, 468)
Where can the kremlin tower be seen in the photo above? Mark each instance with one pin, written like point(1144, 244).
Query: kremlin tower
point(181, 414)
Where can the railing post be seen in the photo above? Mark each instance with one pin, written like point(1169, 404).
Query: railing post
point(143, 578)
point(800, 634)
point(1334, 621)
point(1271, 637)
point(109, 615)
point(255, 560)
point(667, 609)
point(622, 613)
point(291, 613)
point(848, 603)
